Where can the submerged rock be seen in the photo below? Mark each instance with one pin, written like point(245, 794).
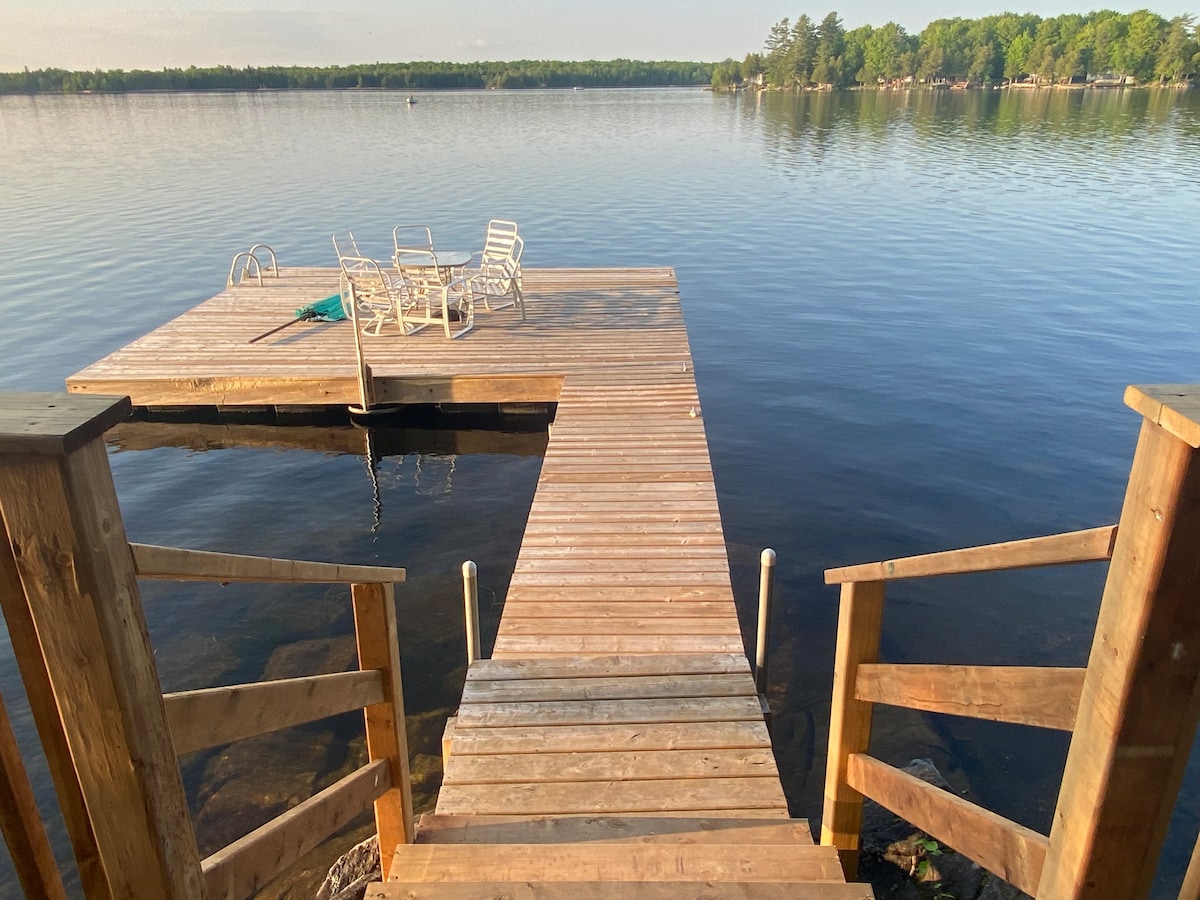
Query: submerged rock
point(904, 863)
point(350, 875)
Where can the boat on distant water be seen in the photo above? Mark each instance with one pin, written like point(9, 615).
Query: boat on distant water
point(410, 100)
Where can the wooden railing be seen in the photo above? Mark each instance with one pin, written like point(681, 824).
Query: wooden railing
point(1048, 697)
point(69, 592)
point(1132, 711)
point(199, 719)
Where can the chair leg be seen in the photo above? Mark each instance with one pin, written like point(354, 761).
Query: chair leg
point(519, 298)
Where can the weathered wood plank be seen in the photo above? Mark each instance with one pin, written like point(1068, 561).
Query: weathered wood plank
point(454, 829)
point(591, 712)
point(1090, 545)
point(613, 863)
point(1025, 695)
point(622, 797)
point(211, 716)
point(637, 736)
point(600, 890)
point(245, 866)
point(175, 564)
point(1012, 851)
point(604, 644)
point(545, 768)
point(665, 664)
point(516, 626)
point(631, 606)
point(477, 690)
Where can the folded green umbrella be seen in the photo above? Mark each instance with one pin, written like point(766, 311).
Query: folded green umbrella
point(328, 310)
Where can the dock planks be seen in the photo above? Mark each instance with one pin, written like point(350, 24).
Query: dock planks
point(619, 684)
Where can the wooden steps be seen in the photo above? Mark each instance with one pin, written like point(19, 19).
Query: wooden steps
point(600, 890)
point(453, 829)
point(666, 734)
point(599, 857)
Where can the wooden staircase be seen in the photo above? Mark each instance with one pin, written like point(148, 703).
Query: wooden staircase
point(593, 857)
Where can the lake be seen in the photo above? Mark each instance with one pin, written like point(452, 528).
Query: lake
point(913, 316)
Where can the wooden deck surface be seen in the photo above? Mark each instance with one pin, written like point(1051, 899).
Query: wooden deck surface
point(619, 683)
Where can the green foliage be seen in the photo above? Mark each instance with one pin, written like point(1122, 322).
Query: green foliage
point(726, 74)
point(393, 76)
point(1141, 45)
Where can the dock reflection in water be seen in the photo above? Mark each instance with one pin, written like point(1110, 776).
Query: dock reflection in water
point(425, 480)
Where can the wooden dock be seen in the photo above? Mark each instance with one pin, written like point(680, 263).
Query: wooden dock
point(614, 745)
point(618, 685)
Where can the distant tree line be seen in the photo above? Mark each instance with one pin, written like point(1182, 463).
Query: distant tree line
point(393, 76)
point(1139, 45)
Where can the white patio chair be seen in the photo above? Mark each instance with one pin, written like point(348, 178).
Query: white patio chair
point(378, 296)
point(411, 239)
point(499, 274)
point(345, 245)
point(439, 293)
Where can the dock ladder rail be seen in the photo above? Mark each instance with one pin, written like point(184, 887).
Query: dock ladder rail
point(111, 738)
point(251, 265)
point(1130, 712)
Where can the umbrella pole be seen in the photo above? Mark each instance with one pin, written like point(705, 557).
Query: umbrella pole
point(363, 372)
point(303, 318)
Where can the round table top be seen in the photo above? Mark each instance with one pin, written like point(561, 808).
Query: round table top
point(446, 259)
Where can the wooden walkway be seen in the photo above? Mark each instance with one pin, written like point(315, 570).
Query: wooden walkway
point(618, 684)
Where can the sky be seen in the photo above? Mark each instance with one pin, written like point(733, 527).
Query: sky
point(131, 34)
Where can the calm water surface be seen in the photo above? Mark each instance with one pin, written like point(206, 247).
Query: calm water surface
point(913, 318)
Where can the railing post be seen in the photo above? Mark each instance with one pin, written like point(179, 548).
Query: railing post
point(471, 609)
point(65, 534)
point(378, 639)
point(44, 709)
point(1138, 708)
point(24, 833)
point(860, 624)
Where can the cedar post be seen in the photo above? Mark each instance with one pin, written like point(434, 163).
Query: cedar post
point(378, 641)
point(1137, 712)
point(42, 706)
point(860, 625)
point(24, 833)
point(65, 534)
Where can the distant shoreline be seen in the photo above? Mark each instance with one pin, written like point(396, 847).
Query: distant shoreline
point(407, 77)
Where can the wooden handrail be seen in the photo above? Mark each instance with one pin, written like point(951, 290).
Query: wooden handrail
point(212, 716)
point(1012, 851)
point(175, 564)
point(1089, 545)
point(242, 868)
point(1024, 695)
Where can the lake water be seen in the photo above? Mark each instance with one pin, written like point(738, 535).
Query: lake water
point(912, 315)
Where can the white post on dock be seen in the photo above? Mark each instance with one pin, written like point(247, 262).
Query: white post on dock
point(471, 609)
point(361, 369)
point(766, 590)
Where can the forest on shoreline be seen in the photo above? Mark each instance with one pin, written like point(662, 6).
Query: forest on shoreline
point(1140, 47)
point(399, 76)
